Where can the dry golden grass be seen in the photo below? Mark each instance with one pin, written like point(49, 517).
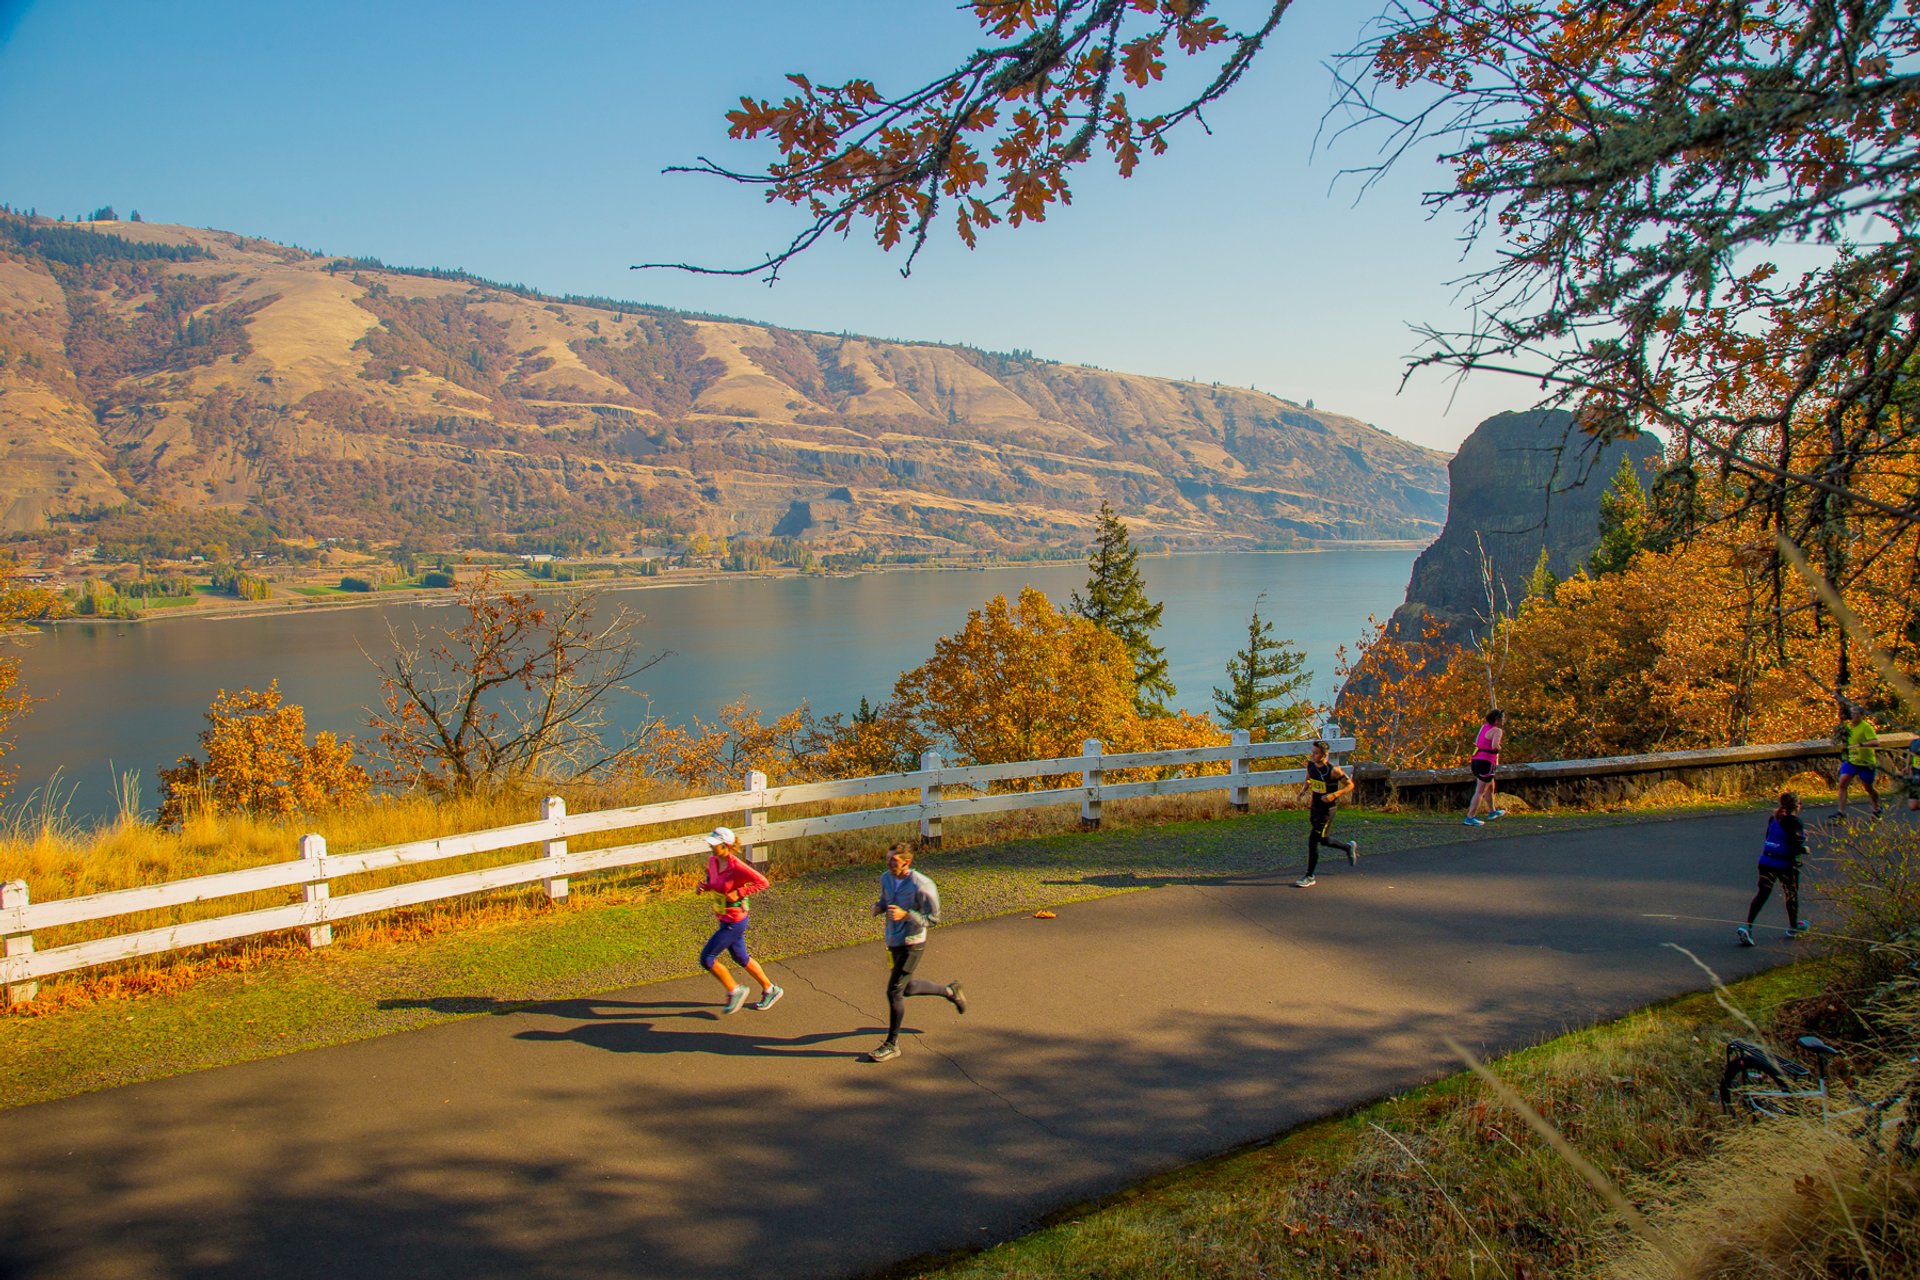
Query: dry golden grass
point(1790, 1196)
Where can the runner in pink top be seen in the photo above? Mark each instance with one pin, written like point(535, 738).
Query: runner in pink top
point(733, 881)
point(1485, 763)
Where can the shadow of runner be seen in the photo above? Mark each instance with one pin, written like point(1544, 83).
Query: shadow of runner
point(643, 1037)
point(1133, 880)
point(588, 1007)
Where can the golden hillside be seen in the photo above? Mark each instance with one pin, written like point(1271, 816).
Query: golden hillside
point(170, 367)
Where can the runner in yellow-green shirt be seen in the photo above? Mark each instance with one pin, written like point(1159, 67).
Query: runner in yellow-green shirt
point(1858, 760)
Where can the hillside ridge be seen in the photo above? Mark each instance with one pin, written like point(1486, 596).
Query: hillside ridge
point(151, 366)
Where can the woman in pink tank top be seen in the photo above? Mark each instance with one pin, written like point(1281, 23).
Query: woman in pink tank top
point(1485, 763)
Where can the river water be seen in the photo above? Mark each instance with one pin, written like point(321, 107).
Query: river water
point(132, 696)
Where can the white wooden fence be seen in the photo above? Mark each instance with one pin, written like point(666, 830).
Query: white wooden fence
point(315, 869)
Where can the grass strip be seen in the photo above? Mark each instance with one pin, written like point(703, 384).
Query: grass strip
point(1442, 1181)
point(298, 999)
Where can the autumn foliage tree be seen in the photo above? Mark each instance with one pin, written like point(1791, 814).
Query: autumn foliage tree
point(1409, 696)
point(1676, 649)
point(515, 691)
point(1024, 681)
point(994, 139)
point(256, 759)
point(718, 755)
point(1020, 681)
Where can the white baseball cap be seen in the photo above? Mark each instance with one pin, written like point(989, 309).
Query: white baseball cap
point(721, 835)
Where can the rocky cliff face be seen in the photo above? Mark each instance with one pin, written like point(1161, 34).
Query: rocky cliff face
point(171, 367)
point(1521, 481)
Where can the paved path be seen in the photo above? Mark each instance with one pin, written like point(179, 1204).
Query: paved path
point(636, 1134)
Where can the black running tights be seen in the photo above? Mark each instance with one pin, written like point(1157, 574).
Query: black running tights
point(901, 983)
point(1317, 836)
point(1789, 879)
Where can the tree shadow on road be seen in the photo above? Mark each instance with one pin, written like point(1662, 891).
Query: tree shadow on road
point(967, 1141)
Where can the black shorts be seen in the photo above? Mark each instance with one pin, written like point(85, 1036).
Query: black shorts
point(905, 959)
point(1483, 769)
point(1319, 820)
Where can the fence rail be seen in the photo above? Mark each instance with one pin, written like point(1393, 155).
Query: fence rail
point(314, 872)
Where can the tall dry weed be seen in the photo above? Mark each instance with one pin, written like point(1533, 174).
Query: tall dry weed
point(1790, 1196)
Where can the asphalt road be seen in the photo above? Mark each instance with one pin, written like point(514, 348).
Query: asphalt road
point(638, 1134)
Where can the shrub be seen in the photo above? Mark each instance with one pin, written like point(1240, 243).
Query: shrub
point(258, 761)
point(355, 584)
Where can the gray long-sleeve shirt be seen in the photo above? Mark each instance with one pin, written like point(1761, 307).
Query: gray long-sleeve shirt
point(914, 894)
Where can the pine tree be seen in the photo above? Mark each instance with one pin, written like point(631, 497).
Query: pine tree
point(1266, 686)
point(1623, 522)
point(1541, 581)
point(1116, 601)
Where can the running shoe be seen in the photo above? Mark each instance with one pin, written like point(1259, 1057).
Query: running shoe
point(736, 998)
point(1497, 813)
point(1475, 822)
point(1353, 853)
point(769, 998)
point(957, 996)
point(1305, 882)
point(1799, 930)
point(885, 1051)
point(1745, 935)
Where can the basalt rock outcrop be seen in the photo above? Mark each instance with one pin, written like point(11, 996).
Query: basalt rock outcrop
point(1520, 482)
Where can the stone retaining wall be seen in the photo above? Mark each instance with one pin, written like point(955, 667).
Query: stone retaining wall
point(1728, 771)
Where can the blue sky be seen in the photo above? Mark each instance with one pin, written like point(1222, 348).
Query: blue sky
point(526, 144)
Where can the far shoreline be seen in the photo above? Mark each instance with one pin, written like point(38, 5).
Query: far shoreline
point(419, 596)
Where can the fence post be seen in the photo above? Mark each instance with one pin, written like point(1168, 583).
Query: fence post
point(1242, 766)
point(14, 894)
point(314, 850)
point(1090, 778)
point(550, 808)
point(754, 818)
point(930, 793)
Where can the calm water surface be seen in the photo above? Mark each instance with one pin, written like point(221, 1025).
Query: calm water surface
point(133, 696)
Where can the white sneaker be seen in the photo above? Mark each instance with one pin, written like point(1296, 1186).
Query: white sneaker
point(1305, 882)
point(1353, 853)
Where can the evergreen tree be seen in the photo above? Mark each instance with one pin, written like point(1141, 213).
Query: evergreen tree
point(1116, 601)
point(1623, 522)
point(1266, 687)
point(1541, 581)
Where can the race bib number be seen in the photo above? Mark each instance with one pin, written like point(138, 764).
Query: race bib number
point(1318, 786)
